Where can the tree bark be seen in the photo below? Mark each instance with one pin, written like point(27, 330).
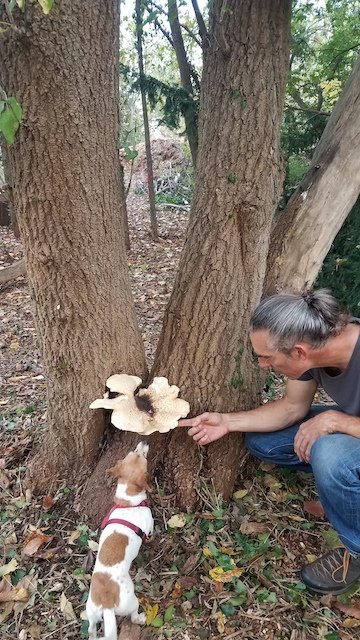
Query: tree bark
point(149, 164)
point(190, 115)
point(304, 231)
point(63, 70)
point(204, 346)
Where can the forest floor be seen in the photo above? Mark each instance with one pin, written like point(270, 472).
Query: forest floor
point(229, 570)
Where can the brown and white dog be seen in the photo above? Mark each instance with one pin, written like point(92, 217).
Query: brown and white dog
point(129, 523)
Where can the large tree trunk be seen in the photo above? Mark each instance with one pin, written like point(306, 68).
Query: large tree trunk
point(63, 69)
point(304, 231)
point(204, 346)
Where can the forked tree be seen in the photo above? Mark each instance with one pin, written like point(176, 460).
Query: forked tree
point(66, 176)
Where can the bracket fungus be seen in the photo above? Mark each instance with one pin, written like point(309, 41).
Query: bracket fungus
point(155, 408)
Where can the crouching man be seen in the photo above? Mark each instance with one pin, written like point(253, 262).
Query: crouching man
point(311, 340)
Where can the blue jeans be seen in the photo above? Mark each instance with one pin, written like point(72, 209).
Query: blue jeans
point(335, 463)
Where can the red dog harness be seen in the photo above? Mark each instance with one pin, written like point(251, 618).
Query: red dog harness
point(109, 520)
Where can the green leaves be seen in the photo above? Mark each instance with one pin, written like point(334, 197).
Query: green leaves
point(46, 5)
point(10, 118)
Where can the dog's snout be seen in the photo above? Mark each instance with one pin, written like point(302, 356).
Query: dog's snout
point(142, 449)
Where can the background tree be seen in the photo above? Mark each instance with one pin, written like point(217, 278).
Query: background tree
point(303, 233)
point(149, 165)
point(65, 168)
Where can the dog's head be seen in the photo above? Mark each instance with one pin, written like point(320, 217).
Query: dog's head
point(132, 470)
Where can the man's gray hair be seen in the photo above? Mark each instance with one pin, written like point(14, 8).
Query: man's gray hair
point(313, 316)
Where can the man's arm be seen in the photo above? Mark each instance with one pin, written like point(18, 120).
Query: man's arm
point(279, 414)
point(273, 416)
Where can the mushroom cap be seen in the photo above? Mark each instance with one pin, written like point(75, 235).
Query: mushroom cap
point(123, 383)
point(162, 399)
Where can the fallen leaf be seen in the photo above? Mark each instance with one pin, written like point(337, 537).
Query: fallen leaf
point(248, 528)
point(229, 551)
point(296, 518)
point(190, 564)
point(352, 610)
point(351, 623)
point(271, 482)
point(33, 541)
point(8, 593)
point(48, 502)
point(4, 480)
point(35, 631)
point(151, 612)
point(240, 493)
point(314, 507)
point(75, 535)
point(177, 591)
point(66, 608)
point(6, 612)
point(331, 538)
point(217, 574)
point(177, 521)
point(93, 545)
point(10, 567)
point(220, 621)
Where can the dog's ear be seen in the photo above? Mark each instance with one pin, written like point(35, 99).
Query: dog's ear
point(116, 471)
point(147, 483)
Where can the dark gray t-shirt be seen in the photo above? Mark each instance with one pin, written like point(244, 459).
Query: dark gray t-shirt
point(343, 388)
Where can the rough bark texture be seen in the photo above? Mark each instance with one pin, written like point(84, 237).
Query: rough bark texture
point(303, 234)
point(204, 345)
point(63, 69)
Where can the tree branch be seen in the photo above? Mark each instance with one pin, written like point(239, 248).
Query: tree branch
point(204, 35)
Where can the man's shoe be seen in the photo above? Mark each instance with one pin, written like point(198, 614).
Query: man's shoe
point(334, 572)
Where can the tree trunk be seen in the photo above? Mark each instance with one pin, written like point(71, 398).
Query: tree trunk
point(204, 346)
point(190, 115)
point(304, 231)
point(149, 165)
point(63, 69)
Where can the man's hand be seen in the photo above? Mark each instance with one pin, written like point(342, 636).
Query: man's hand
point(327, 422)
point(206, 428)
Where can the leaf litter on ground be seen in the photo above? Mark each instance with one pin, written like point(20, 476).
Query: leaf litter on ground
point(228, 570)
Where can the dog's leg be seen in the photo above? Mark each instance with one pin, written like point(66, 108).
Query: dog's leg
point(110, 626)
point(93, 617)
point(92, 629)
point(136, 617)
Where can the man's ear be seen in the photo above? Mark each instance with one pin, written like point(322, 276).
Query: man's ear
point(300, 351)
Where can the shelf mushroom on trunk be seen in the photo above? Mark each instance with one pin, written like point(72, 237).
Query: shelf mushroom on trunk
point(144, 410)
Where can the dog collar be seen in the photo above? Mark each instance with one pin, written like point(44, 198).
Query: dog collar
point(109, 520)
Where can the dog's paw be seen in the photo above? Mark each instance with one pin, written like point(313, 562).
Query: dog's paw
point(138, 618)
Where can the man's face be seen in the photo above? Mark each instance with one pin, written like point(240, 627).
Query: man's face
point(291, 365)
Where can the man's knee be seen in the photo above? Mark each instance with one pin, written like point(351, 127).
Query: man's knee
point(258, 445)
point(328, 457)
